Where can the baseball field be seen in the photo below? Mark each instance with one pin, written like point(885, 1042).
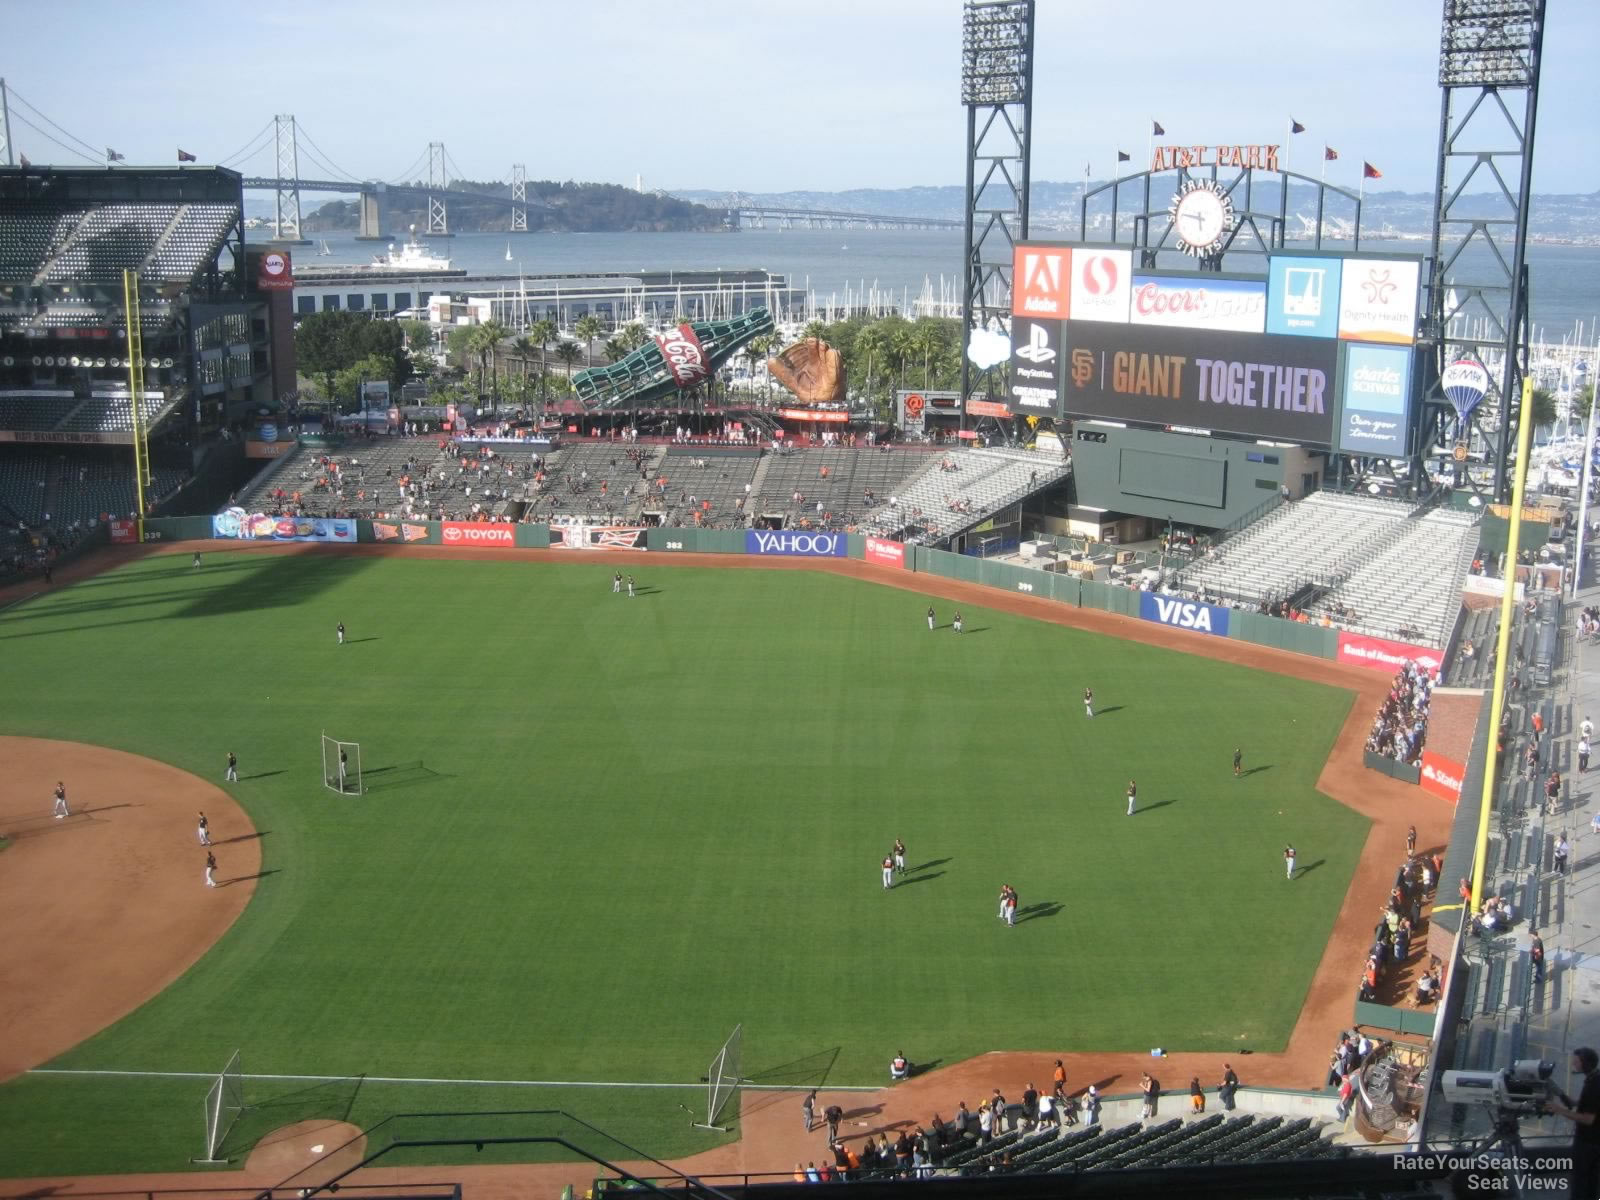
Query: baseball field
point(599, 831)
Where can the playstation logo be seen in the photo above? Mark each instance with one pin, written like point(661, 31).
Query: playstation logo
point(1038, 348)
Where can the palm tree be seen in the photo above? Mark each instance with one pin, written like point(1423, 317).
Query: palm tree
point(871, 344)
point(484, 341)
point(814, 329)
point(614, 349)
point(569, 353)
point(524, 346)
point(632, 336)
point(588, 328)
point(927, 339)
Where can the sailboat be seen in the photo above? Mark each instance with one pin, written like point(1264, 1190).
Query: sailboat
point(508, 251)
point(324, 249)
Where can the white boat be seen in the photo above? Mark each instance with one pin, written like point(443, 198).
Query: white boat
point(323, 249)
point(508, 251)
point(413, 256)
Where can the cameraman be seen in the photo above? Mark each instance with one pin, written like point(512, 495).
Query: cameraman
point(1585, 1116)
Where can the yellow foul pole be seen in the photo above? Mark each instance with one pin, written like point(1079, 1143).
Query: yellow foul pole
point(141, 442)
point(1502, 651)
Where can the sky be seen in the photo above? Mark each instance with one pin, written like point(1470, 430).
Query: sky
point(752, 96)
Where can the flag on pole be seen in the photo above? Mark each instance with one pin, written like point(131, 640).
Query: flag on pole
point(112, 155)
point(1329, 154)
point(23, 159)
point(1156, 130)
point(184, 155)
point(1124, 156)
point(1368, 171)
point(1295, 126)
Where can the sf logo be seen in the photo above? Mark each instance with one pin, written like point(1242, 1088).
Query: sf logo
point(1082, 368)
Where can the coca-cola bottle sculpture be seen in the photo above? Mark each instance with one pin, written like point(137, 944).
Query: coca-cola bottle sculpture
point(674, 360)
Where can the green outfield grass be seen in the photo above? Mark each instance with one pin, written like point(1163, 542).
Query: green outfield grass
point(638, 822)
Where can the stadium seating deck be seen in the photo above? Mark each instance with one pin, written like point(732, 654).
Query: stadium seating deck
point(983, 482)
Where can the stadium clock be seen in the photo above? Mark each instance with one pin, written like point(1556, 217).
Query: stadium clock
point(1202, 215)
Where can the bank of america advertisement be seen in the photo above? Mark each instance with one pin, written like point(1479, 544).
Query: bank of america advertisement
point(1035, 367)
point(1303, 296)
point(1256, 384)
point(1376, 412)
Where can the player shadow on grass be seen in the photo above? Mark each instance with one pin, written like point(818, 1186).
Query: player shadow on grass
point(1255, 770)
point(243, 837)
point(1106, 712)
point(1045, 908)
point(370, 638)
point(646, 591)
point(904, 881)
point(1308, 868)
point(247, 878)
point(1144, 808)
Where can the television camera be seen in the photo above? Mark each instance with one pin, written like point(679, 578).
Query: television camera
point(1520, 1090)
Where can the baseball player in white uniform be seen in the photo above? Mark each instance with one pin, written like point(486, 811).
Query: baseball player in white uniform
point(60, 810)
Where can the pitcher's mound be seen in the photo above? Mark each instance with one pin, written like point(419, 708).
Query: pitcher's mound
point(327, 1146)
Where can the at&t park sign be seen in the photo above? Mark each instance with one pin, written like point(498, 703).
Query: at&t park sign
point(1173, 158)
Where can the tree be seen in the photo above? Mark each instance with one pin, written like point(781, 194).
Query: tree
point(588, 328)
point(632, 336)
point(346, 390)
point(1544, 407)
point(524, 346)
point(569, 353)
point(418, 335)
point(484, 341)
point(614, 349)
point(327, 343)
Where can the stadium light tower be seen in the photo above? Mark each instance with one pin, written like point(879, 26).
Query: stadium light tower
point(997, 90)
point(1489, 53)
point(286, 212)
point(438, 184)
point(519, 198)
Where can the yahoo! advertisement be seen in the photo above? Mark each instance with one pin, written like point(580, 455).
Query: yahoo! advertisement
point(795, 541)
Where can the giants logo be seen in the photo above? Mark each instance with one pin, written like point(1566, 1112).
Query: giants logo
point(1101, 284)
point(686, 357)
point(1039, 281)
point(465, 533)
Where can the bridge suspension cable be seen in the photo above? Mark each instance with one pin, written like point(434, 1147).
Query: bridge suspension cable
point(91, 153)
point(411, 173)
point(322, 158)
point(48, 137)
point(251, 148)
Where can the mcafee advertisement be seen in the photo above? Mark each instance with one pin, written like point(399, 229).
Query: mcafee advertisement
point(477, 533)
point(1258, 384)
point(887, 553)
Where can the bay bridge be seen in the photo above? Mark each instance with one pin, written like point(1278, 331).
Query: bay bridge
point(283, 142)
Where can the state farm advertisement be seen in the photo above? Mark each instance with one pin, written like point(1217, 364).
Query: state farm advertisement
point(1442, 776)
point(887, 553)
point(1258, 384)
point(1381, 654)
point(123, 533)
point(478, 533)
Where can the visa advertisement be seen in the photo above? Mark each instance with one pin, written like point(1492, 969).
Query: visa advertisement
point(1183, 614)
point(1303, 296)
point(1376, 412)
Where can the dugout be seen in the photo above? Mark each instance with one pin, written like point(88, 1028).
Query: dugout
point(1185, 478)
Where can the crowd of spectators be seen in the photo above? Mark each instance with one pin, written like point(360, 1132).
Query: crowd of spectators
point(1399, 924)
point(1401, 728)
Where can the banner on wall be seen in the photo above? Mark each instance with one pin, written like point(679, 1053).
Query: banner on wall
point(885, 552)
point(794, 541)
point(259, 527)
point(123, 533)
point(477, 533)
point(389, 531)
point(1442, 776)
point(597, 537)
point(1183, 614)
point(1381, 654)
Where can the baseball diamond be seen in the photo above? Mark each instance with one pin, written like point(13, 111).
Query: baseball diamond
point(692, 790)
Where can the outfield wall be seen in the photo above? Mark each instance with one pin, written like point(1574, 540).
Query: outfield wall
point(1201, 619)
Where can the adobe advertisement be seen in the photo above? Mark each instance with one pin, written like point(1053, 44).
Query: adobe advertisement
point(1036, 367)
point(1378, 300)
point(1260, 385)
point(1377, 400)
point(1102, 283)
point(1200, 302)
point(1303, 295)
point(1039, 282)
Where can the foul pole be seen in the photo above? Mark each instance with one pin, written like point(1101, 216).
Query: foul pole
point(141, 437)
point(1508, 608)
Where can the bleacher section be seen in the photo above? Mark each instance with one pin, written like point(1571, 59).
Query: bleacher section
point(939, 502)
point(94, 244)
point(71, 486)
point(1291, 546)
point(689, 485)
point(1176, 1142)
point(852, 472)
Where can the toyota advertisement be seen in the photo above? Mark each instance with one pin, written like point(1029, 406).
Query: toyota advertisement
point(1259, 385)
point(1377, 401)
point(794, 541)
point(477, 533)
point(259, 527)
point(1036, 367)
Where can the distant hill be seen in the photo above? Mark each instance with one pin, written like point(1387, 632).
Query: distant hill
point(1054, 207)
point(573, 208)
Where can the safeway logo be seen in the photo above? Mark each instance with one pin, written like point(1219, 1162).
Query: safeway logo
point(465, 533)
point(1039, 281)
point(1038, 348)
point(1099, 275)
point(1183, 614)
point(1102, 282)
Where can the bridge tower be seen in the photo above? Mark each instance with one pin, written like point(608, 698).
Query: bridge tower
point(997, 90)
point(5, 128)
point(438, 185)
point(519, 198)
point(286, 211)
point(1489, 53)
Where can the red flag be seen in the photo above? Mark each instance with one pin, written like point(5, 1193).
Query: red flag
point(184, 155)
point(1123, 156)
point(1368, 171)
point(1295, 126)
point(1329, 153)
point(1156, 130)
point(23, 159)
